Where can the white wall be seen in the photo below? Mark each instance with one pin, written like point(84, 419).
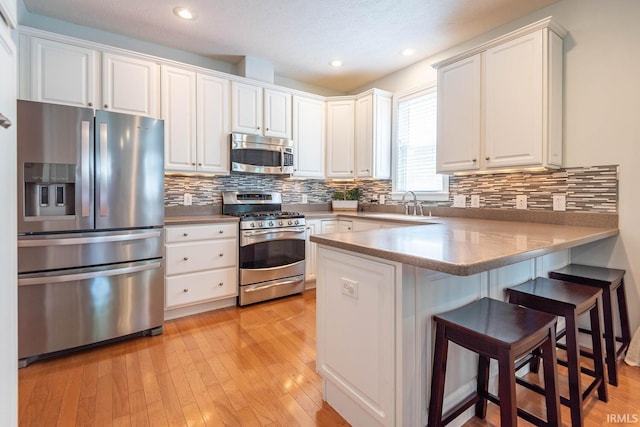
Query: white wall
point(601, 111)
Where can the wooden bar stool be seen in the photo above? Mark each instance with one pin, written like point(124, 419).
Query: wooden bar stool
point(609, 280)
point(495, 330)
point(568, 300)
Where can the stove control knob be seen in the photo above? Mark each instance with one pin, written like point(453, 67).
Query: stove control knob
point(252, 225)
point(260, 224)
point(297, 222)
point(290, 222)
point(280, 222)
point(270, 223)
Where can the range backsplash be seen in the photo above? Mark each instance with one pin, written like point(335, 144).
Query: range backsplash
point(587, 189)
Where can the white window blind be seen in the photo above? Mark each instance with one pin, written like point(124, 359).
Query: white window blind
point(416, 144)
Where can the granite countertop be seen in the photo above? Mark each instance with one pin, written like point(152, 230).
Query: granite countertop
point(464, 246)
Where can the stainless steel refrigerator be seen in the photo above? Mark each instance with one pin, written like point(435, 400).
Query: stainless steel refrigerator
point(90, 227)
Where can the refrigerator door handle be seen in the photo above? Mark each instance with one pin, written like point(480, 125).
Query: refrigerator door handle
point(104, 170)
point(27, 243)
point(84, 276)
point(85, 172)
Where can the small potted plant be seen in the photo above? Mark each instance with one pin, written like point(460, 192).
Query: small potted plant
point(346, 200)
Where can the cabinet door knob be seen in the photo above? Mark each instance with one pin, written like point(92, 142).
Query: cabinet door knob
point(473, 160)
point(221, 255)
point(90, 104)
point(220, 231)
point(185, 234)
point(221, 284)
point(199, 164)
point(185, 290)
point(486, 158)
point(193, 164)
point(106, 106)
point(259, 128)
point(267, 129)
point(186, 258)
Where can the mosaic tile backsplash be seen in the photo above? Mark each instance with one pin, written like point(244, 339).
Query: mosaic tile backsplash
point(587, 189)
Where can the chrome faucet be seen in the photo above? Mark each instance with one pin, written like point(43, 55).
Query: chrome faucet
point(415, 203)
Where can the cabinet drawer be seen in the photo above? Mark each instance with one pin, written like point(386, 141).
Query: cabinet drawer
point(199, 256)
point(189, 233)
point(203, 286)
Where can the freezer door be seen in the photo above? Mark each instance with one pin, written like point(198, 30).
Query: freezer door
point(129, 171)
point(55, 167)
point(65, 309)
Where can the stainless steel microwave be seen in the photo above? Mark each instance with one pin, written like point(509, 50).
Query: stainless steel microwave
point(257, 154)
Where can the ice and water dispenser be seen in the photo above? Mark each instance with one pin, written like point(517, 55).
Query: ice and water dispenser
point(49, 189)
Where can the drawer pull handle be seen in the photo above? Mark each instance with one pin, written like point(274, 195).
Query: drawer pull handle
point(221, 284)
point(185, 234)
point(221, 255)
point(185, 290)
point(221, 231)
point(487, 158)
point(186, 258)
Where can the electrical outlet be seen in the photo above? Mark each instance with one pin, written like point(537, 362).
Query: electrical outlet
point(382, 199)
point(560, 203)
point(475, 200)
point(187, 200)
point(305, 198)
point(521, 201)
point(350, 288)
point(459, 201)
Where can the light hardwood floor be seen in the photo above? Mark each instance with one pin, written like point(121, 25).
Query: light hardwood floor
point(250, 366)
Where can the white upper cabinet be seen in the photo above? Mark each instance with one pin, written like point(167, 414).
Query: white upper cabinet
point(308, 137)
point(179, 115)
point(213, 124)
point(195, 108)
point(340, 138)
point(373, 135)
point(277, 114)
point(130, 85)
point(500, 104)
point(60, 73)
point(458, 146)
point(246, 104)
point(64, 73)
point(259, 111)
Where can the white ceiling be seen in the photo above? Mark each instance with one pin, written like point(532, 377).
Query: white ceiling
point(300, 37)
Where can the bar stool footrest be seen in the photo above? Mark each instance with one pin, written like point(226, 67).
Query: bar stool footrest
point(455, 412)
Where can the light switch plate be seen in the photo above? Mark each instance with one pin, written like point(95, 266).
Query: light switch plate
point(459, 201)
point(305, 198)
point(188, 199)
point(475, 200)
point(521, 201)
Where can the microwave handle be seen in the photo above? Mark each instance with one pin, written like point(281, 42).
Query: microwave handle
point(281, 159)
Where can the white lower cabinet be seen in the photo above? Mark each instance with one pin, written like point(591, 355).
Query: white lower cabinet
point(311, 249)
point(201, 264)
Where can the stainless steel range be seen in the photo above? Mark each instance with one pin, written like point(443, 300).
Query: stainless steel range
point(272, 254)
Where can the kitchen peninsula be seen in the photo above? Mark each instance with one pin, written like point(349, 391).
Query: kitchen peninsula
point(377, 291)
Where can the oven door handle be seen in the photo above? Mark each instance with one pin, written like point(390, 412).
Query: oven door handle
point(278, 230)
point(271, 285)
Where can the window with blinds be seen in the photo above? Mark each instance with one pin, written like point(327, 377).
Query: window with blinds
point(415, 145)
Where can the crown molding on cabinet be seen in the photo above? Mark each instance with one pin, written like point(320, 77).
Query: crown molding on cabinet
point(547, 22)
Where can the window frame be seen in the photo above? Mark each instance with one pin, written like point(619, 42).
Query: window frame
point(420, 195)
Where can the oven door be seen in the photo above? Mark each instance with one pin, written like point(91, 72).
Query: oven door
point(273, 254)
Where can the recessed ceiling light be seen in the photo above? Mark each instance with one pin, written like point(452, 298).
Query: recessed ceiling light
point(184, 13)
point(336, 63)
point(408, 51)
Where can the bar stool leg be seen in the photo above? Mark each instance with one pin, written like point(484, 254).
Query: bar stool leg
point(610, 337)
point(507, 390)
point(598, 356)
point(482, 386)
point(624, 317)
point(438, 377)
point(573, 365)
point(552, 396)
